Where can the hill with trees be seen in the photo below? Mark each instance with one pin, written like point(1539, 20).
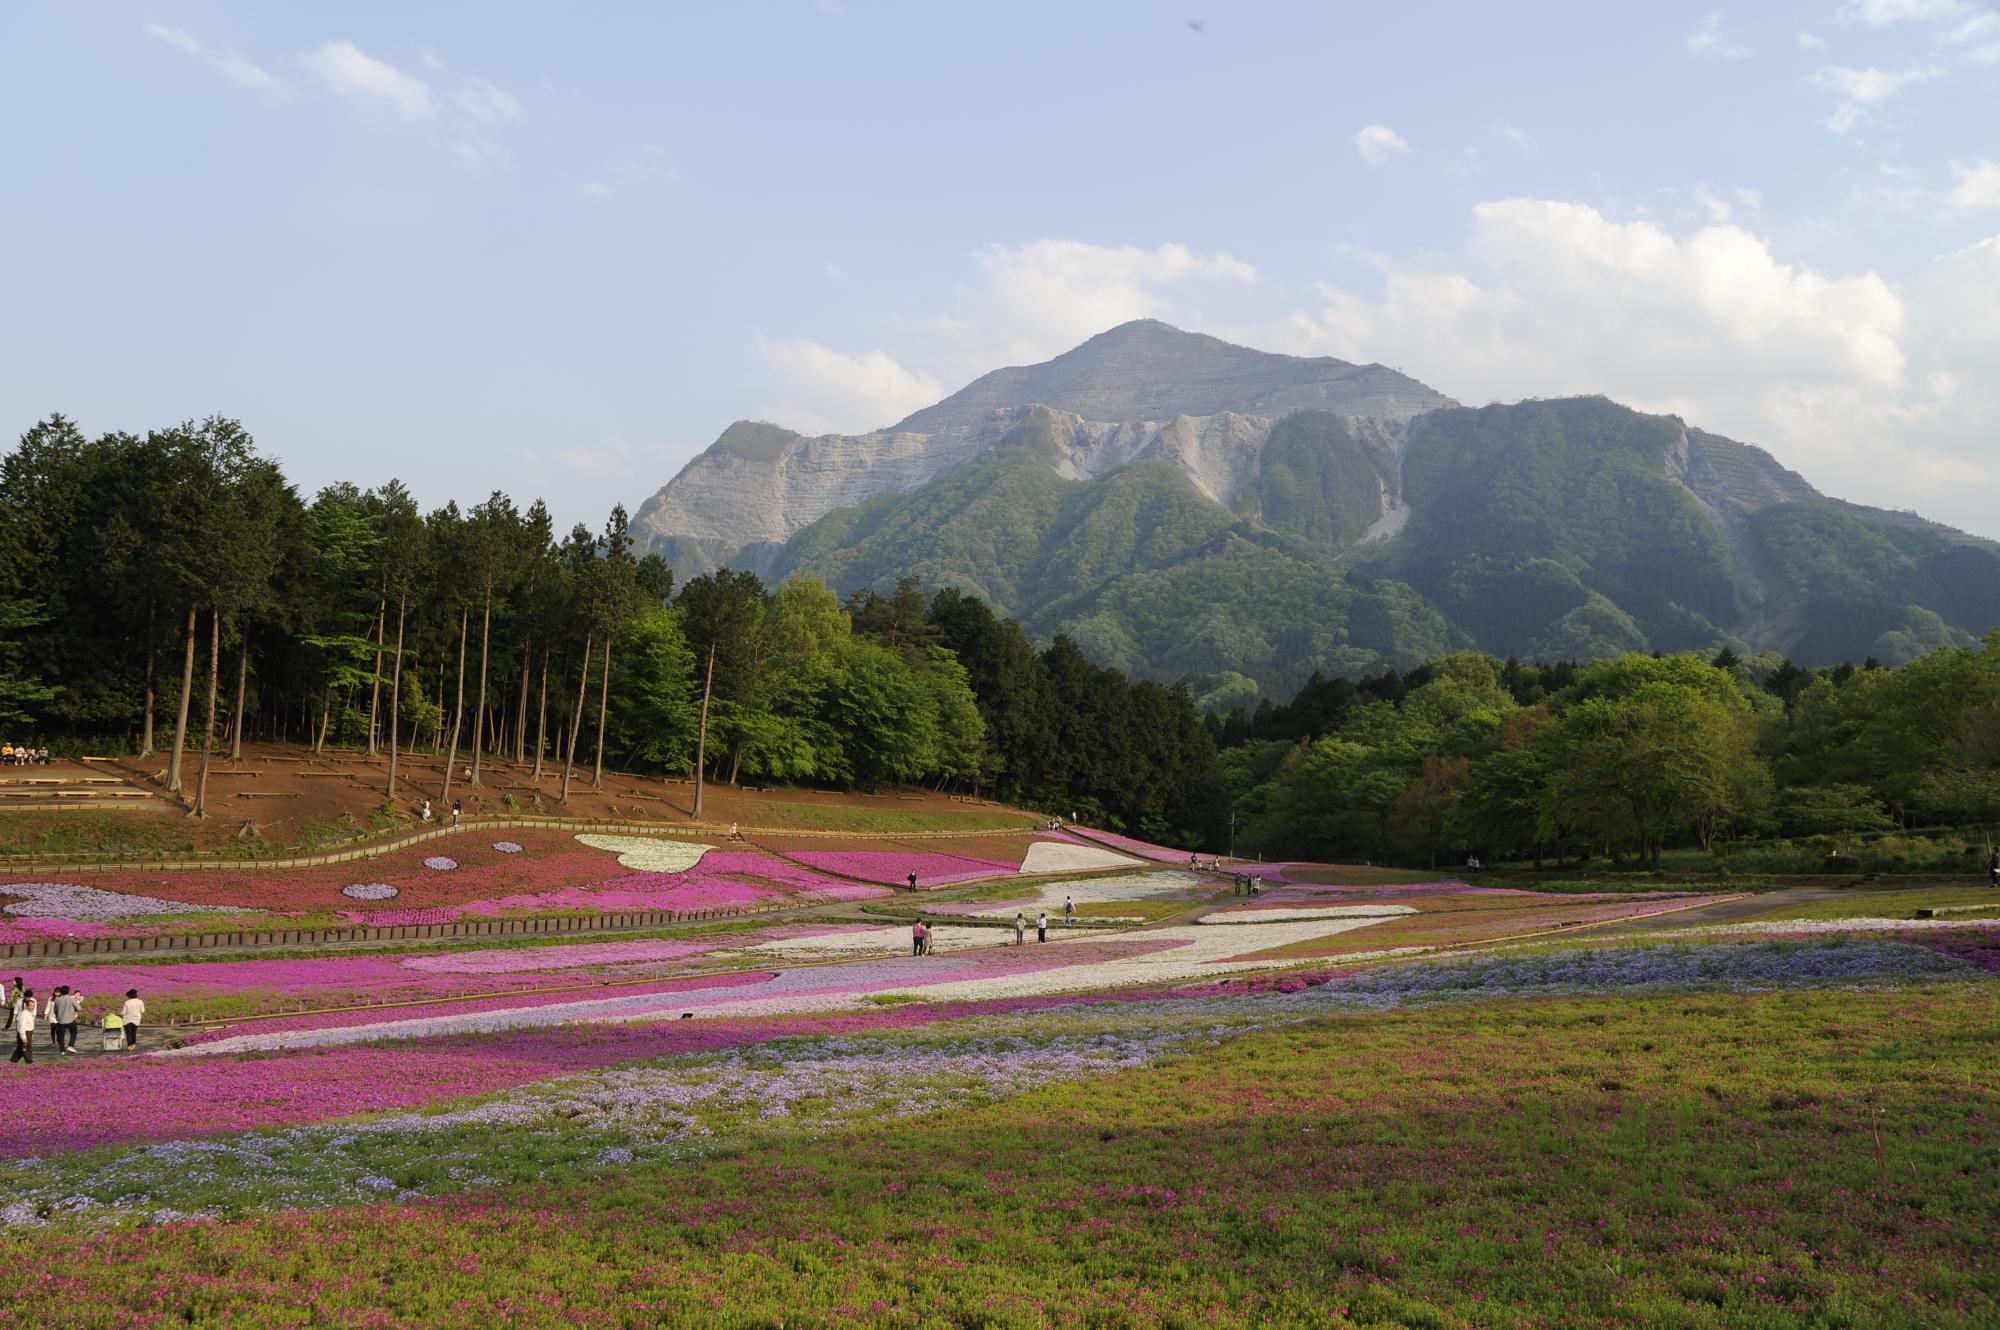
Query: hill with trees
point(1187, 510)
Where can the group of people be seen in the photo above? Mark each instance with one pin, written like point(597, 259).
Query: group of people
point(424, 814)
point(1041, 922)
point(20, 755)
point(62, 1014)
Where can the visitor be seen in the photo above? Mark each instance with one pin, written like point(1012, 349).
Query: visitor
point(734, 834)
point(930, 939)
point(1257, 886)
point(43, 756)
point(14, 1000)
point(7, 754)
point(1194, 862)
point(457, 809)
point(913, 879)
point(1020, 928)
point(62, 1022)
point(425, 814)
point(1069, 911)
point(1042, 926)
point(917, 938)
point(133, 1012)
point(24, 1029)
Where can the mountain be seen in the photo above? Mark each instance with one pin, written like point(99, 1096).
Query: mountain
point(1182, 507)
point(1144, 388)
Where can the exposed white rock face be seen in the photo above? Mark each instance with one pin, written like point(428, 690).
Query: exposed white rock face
point(1140, 391)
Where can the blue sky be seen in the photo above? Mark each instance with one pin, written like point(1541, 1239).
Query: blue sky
point(557, 249)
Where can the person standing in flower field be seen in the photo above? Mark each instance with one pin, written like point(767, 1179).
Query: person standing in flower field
point(1042, 926)
point(132, 1013)
point(917, 938)
point(1020, 928)
point(24, 1029)
point(62, 1022)
point(1069, 911)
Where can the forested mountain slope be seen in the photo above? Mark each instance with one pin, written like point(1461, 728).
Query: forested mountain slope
point(1184, 508)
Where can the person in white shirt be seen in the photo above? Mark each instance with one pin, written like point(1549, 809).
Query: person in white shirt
point(1042, 926)
point(24, 1029)
point(133, 1013)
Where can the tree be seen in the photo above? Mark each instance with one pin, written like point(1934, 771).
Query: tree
point(492, 545)
point(722, 614)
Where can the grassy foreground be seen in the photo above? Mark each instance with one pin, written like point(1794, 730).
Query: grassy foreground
point(1807, 1158)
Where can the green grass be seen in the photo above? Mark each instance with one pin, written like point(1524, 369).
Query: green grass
point(886, 820)
point(110, 835)
point(1822, 1159)
point(1900, 904)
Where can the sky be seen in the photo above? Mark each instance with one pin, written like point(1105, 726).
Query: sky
point(557, 249)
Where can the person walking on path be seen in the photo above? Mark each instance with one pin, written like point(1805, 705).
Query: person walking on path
point(62, 1021)
point(1020, 928)
point(132, 1013)
point(1042, 926)
point(24, 1029)
point(913, 880)
point(13, 1001)
point(917, 938)
point(457, 811)
point(1069, 911)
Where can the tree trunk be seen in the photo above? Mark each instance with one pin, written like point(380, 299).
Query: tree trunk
point(181, 721)
point(396, 696)
point(701, 735)
point(375, 684)
point(208, 722)
point(242, 686)
point(325, 722)
point(457, 711)
point(521, 714)
point(479, 716)
point(541, 719)
point(146, 722)
point(576, 718)
point(603, 708)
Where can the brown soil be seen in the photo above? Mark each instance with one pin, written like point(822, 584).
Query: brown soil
point(288, 796)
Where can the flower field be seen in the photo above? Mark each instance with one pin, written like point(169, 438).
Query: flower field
point(1338, 1103)
point(1499, 1153)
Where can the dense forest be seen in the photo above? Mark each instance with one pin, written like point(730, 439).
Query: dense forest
point(172, 592)
point(1469, 755)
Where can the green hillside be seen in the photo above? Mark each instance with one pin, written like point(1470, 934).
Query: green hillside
point(1573, 528)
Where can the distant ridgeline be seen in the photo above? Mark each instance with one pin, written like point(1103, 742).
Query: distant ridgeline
point(1183, 508)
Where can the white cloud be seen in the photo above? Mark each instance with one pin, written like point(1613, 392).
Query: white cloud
point(593, 190)
point(350, 72)
point(613, 459)
point(1861, 90)
point(1710, 41)
point(1028, 302)
point(235, 69)
point(1379, 144)
point(433, 63)
point(1808, 42)
point(487, 104)
point(478, 153)
point(1723, 204)
point(1835, 373)
point(1884, 13)
point(827, 391)
point(1514, 135)
point(1979, 35)
point(1978, 186)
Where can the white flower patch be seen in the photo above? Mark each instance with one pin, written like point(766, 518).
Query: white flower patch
point(1046, 856)
point(644, 854)
point(1290, 915)
point(440, 863)
point(66, 900)
point(370, 891)
point(506, 847)
point(1095, 891)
